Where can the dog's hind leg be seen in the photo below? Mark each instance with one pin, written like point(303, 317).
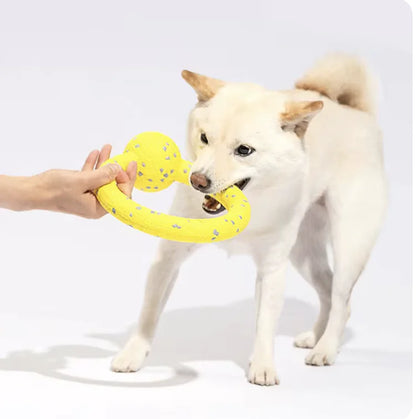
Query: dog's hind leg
point(309, 256)
point(356, 205)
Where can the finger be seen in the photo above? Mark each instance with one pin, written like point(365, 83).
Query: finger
point(104, 155)
point(101, 176)
point(132, 171)
point(128, 175)
point(90, 161)
point(122, 177)
point(125, 180)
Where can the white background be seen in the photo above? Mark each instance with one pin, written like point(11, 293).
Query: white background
point(75, 75)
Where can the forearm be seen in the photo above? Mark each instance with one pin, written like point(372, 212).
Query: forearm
point(67, 191)
point(20, 193)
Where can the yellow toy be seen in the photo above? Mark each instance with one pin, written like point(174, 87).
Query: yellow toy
point(159, 164)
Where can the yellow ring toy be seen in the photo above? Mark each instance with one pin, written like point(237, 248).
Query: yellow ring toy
point(159, 164)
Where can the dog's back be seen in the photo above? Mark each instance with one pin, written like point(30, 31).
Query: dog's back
point(344, 138)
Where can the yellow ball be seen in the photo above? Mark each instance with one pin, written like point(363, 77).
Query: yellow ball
point(150, 149)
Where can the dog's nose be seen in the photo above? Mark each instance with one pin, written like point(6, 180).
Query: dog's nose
point(200, 182)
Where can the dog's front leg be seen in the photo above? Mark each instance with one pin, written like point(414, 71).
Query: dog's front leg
point(269, 301)
point(160, 281)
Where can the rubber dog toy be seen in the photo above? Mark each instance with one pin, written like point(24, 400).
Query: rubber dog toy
point(159, 164)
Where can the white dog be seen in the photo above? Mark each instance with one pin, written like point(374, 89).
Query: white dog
point(310, 162)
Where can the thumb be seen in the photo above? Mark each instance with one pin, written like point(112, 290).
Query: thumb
point(105, 174)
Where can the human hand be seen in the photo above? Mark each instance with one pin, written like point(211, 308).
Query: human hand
point(74, 191)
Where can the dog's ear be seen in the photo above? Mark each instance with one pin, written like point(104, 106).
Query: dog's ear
point(297, 116)
point(205, 87)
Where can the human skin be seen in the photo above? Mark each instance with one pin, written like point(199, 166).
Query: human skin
point(67, 191)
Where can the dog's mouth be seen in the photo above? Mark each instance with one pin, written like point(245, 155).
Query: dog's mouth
point(212, 206)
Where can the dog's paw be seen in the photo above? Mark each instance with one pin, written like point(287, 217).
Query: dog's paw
point(321, 355)
point(131, 357)
point(305, 340)
point(262, 373)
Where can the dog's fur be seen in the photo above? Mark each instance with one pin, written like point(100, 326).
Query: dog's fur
point(317, 179)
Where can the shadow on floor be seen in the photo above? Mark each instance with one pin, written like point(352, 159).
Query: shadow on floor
point(215, 333)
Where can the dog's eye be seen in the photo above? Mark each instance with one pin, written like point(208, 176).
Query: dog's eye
point(204, 138)
point(244, 150)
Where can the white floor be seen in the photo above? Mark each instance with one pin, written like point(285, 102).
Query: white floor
point(52, 368)
point(61, 322)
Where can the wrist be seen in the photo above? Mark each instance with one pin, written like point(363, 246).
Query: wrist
point(40, 192)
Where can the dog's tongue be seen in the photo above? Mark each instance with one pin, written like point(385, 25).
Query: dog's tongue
point(211, 205)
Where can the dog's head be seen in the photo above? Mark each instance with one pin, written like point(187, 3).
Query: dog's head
point(242, 134)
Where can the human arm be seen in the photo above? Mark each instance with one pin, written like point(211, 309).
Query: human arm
point(66, 190)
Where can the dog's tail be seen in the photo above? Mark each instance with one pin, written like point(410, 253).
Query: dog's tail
point(344, 79)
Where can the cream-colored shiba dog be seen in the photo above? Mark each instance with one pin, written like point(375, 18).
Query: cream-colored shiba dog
point(310, 161)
